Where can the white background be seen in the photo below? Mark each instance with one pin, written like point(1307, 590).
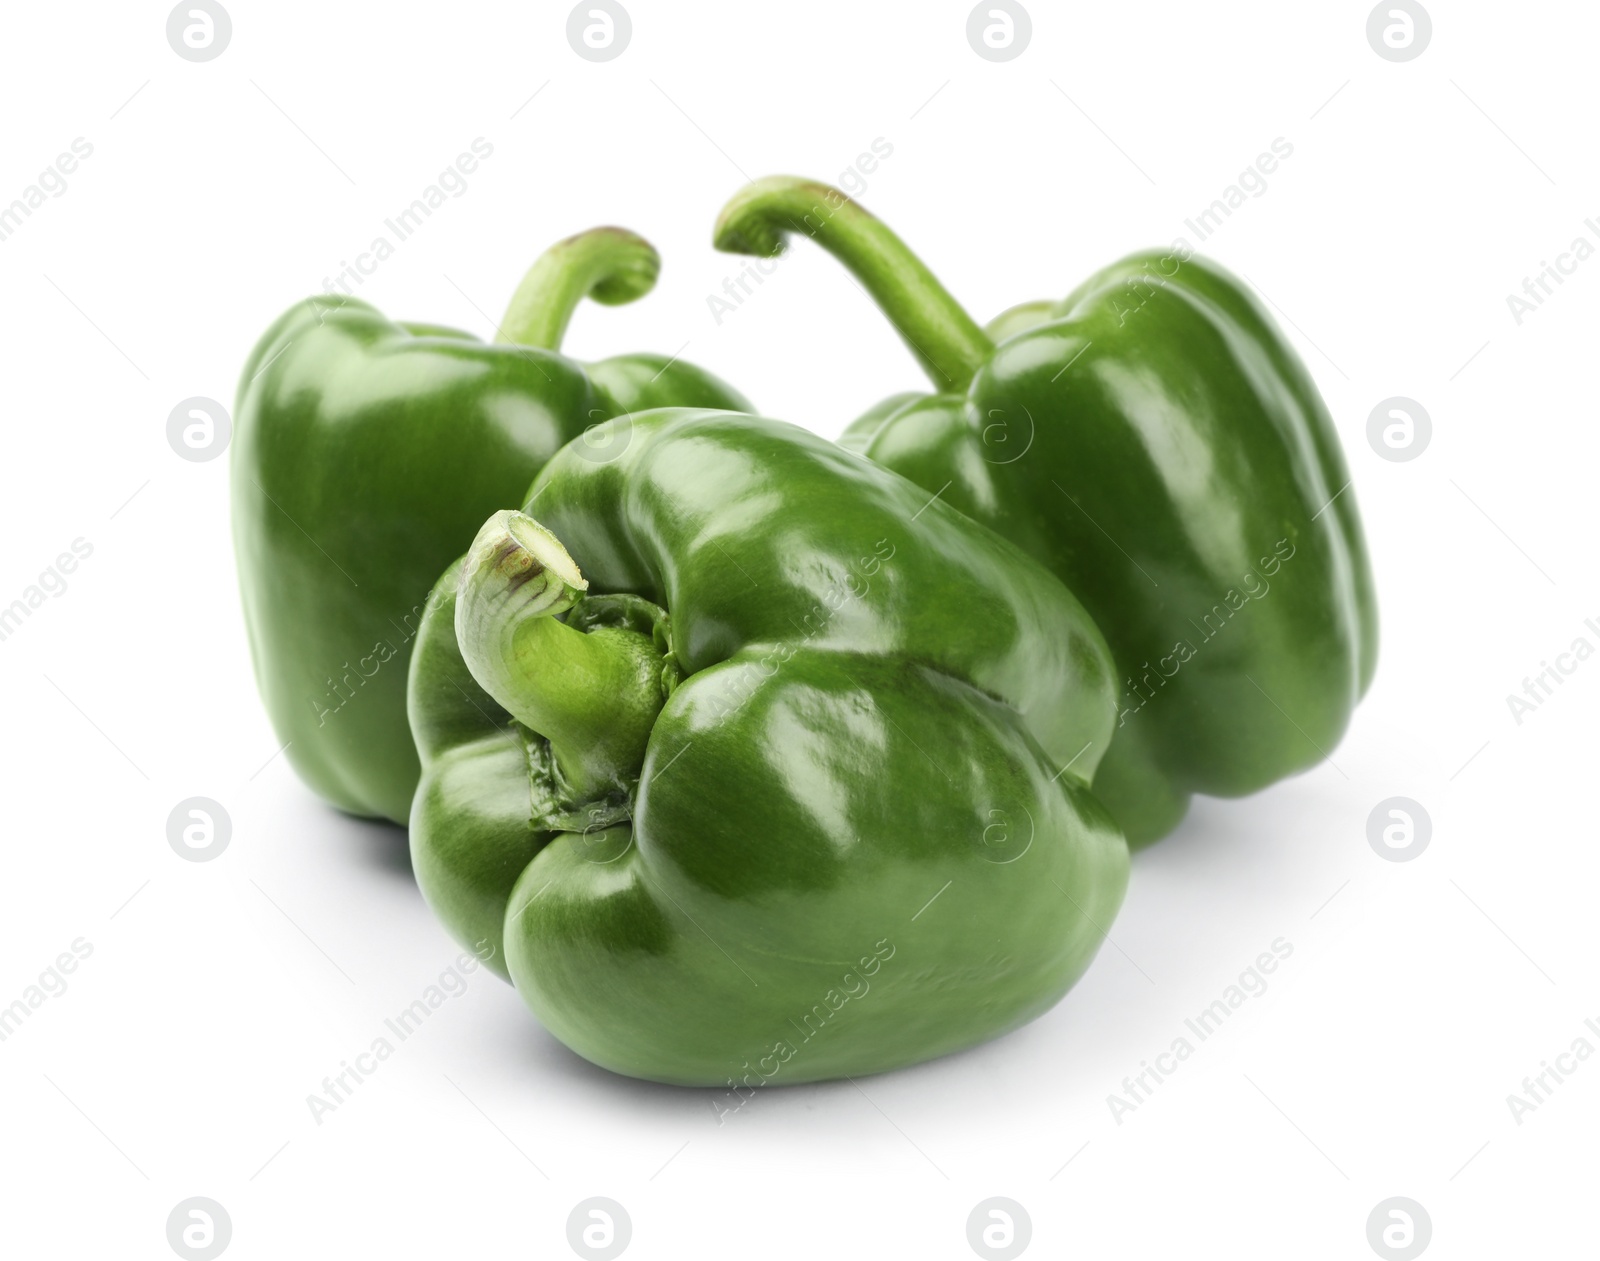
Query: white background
point(1418, 995)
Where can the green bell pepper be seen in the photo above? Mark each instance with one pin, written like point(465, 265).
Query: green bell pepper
point(1157, 444)
point(366, 453)
point(788, 781)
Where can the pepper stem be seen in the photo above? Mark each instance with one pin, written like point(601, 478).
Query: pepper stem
point(593, 695)
point(943, 337)
point(610, 265)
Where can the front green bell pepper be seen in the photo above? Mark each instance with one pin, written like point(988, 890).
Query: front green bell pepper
point(365, 455)
point(748, 763)
point(1156, 443)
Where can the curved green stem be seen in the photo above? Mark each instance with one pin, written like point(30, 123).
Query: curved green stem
point(944, 338)
point(594, 695)
point(610, 265)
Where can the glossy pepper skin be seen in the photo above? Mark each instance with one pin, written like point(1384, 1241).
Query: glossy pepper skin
point(748, 764)
point(1155, 442)
point(366, 453)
